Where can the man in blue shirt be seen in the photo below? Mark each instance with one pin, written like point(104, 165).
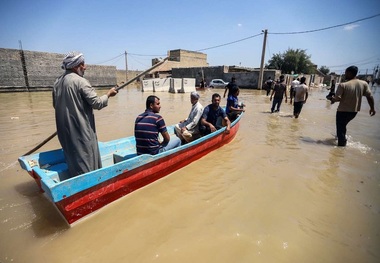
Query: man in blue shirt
point(233, 110)
point(148, 125)
point(214, 117)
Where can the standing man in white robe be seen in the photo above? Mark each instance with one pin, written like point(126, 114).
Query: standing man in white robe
point(74, 100)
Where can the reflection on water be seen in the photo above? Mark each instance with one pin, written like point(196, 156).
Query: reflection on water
point(280, 192)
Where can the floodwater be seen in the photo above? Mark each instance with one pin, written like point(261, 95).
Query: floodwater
point(281, 191)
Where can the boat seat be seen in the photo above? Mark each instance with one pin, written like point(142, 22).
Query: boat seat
point(57, 172)
point(122, 156)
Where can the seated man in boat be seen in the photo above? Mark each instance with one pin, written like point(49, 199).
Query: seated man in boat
point(214, 117)
point(148, 125)
point(188, 130)
point(233, 108)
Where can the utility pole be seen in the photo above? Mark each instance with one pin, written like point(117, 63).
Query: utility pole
point(126, 67)
point(261, 75)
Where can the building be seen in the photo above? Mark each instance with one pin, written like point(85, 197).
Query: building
point(179, 58)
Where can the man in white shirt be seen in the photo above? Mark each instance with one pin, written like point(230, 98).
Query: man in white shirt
point(349, 94)
point(188, 130)
point(300, 97)
point(293, 85)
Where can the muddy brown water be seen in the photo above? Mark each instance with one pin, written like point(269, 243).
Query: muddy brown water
point(281, 191)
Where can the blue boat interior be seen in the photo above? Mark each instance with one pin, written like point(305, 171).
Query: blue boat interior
point(51, 167)
point(52, 164)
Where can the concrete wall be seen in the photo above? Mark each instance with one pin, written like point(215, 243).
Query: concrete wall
point(208, 73)
point(171, 85)
point(121, 76)
point(42, 69)
point(245, 80)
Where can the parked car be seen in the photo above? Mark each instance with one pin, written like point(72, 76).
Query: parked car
point(217, 83)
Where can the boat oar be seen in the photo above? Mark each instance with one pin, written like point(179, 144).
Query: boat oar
point(143, 73)
point(41, 144)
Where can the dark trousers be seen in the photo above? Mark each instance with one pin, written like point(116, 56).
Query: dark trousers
point(268, 90)
point(297, 108)
point(276, 101)
point(205, 130)
point(342, 119)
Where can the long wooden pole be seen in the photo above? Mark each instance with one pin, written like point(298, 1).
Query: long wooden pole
point(41, 144)
point(118, 88)
point(143, 73)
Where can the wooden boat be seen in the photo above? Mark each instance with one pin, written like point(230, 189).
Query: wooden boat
point(122, 173)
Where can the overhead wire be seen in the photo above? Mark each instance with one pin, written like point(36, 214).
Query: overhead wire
point(355, 63)
point(230, 43)
point(122, 54)
point(321, 29)
point(136, 60)
point(253, 36)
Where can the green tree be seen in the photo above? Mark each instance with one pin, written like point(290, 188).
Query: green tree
point(325, 70)
point(296, 60)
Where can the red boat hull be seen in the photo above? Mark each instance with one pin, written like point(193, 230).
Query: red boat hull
point(90, 200)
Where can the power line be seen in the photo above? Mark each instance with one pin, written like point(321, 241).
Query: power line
point(122, 54)
point(360, 62)
point(142, 55)
point(325, 28)
point(246, 38)
point(139, 62)
point(229, 43)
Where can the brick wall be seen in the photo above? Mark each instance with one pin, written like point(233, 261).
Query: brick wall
point(11, 73)
point(42, 69)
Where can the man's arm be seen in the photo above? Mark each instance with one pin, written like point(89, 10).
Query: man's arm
point(166, 137)
point(225, 91)
point(207, 124)
point(196, 118)
point(271, 95)
point(286, 95)
point(232, 108)
point(338, 94)
point(371, 103)
point(228, 125)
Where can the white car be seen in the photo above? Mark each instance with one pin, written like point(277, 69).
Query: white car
point(217, 83)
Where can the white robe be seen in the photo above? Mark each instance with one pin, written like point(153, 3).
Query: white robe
point(74, 100)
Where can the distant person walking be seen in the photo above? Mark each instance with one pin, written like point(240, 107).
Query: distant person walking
point(74, 100)
point(278, 93)
point(349, 94)
point(230, 86)
point(332, 90)
point(268, 85)
point(300, 97)
point(293, 85)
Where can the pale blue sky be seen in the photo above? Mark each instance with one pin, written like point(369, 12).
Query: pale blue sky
point(104, 30)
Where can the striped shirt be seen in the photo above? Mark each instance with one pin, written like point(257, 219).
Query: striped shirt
point(148, 125)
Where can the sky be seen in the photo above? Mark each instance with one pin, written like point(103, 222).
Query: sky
point(229, 32)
